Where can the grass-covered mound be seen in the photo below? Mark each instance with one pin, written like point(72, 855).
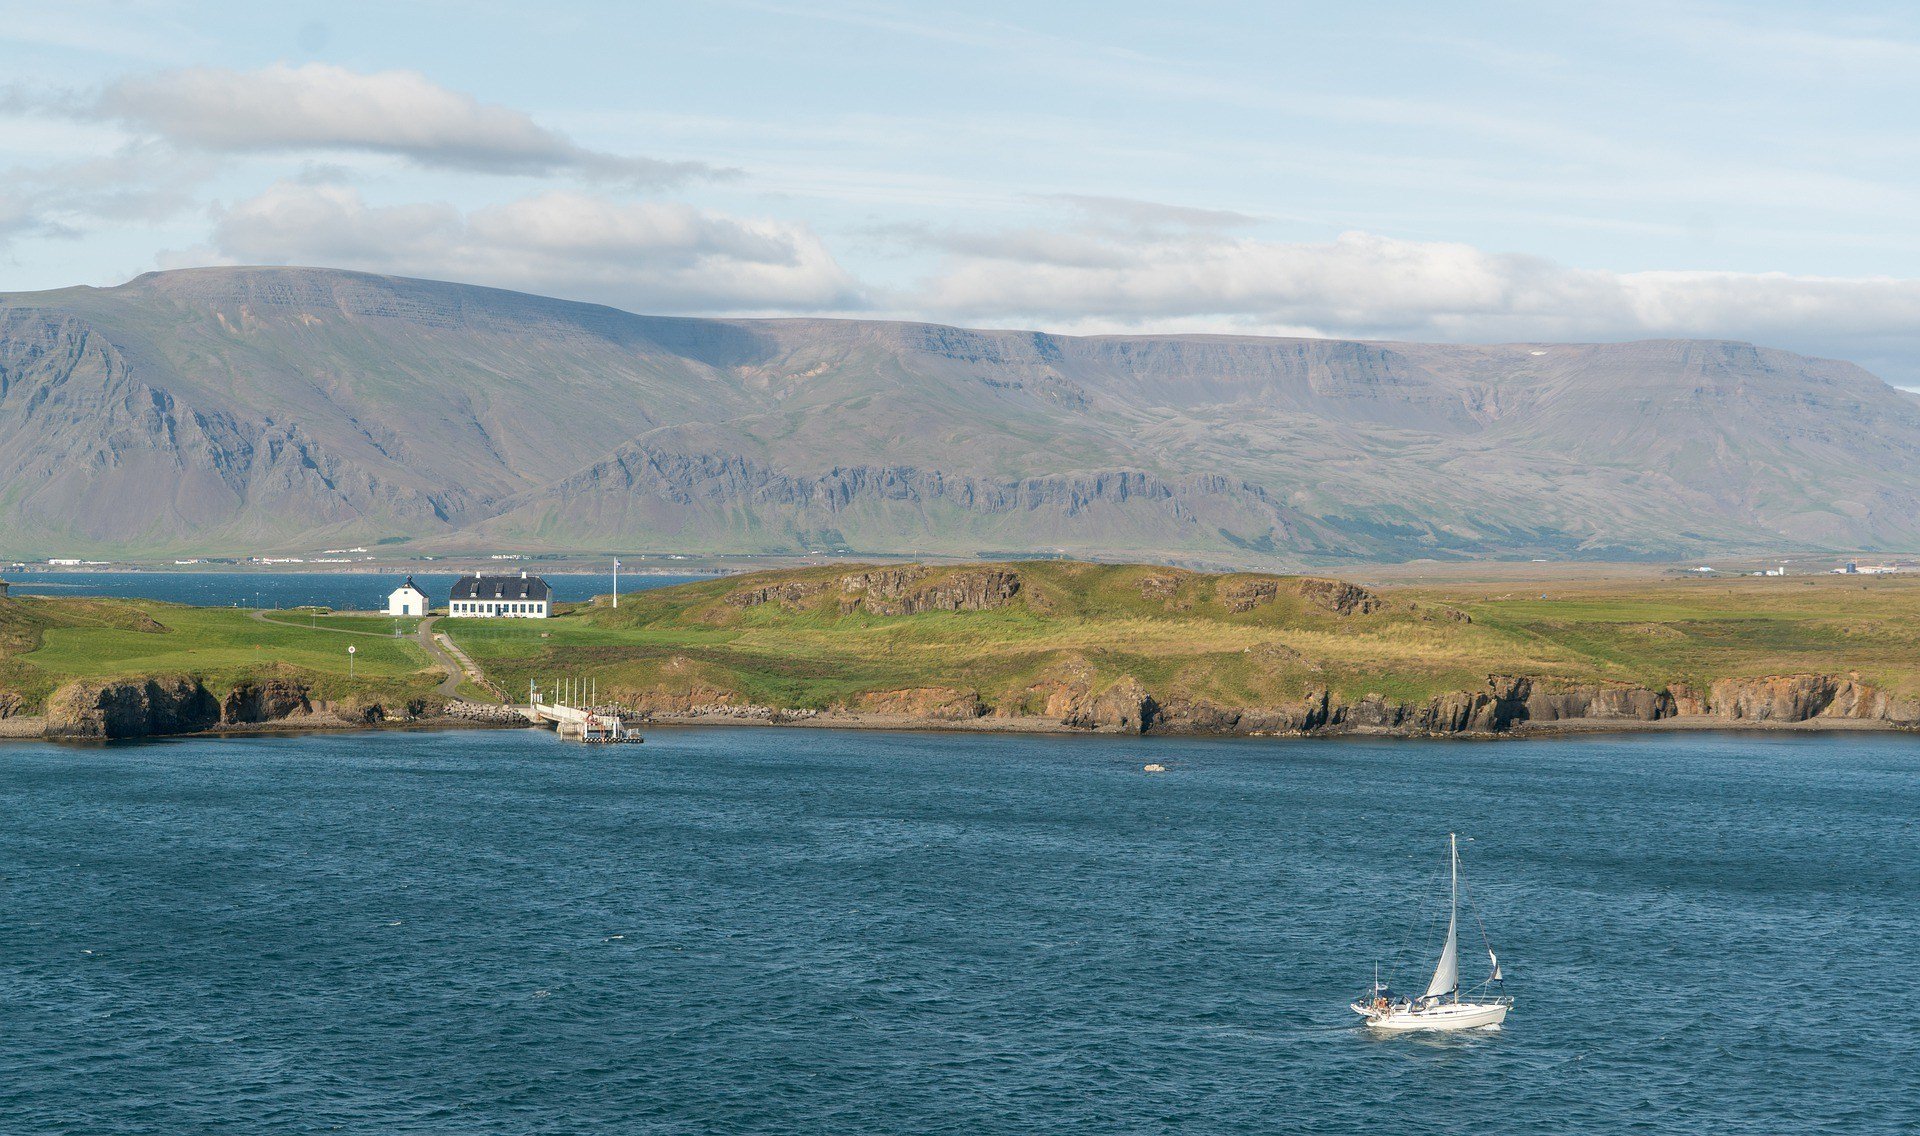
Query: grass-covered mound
point(47, 643)
point(1050, 638)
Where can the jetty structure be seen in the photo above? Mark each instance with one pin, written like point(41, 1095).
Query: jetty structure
point(588, 722)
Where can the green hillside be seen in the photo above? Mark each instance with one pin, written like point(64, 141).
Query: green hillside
point(882, 640)
point(1057, 643)
point(46, 642)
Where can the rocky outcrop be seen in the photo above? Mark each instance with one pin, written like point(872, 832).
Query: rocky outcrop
point(936, 703)
point(1339, 597)
point(1244, 593)
point(910, 591)
point(132, 709)
point(1505, 703)
point(267, 701)
point(789, 593)
point(138, 708)
point(1239, 593)
point(1074, 696)
point(1162, 586)
point(1800, 698)
point(906, 590)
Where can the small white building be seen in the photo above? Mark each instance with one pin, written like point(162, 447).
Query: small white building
point(500, 597)
point(408, 600)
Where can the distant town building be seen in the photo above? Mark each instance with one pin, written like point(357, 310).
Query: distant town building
point(500, 597)
point(408, 600)
point(64, 562)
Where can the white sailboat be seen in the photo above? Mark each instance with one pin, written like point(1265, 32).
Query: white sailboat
point(1440, 1008)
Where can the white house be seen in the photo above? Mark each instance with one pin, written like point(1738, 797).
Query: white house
point(500, 597)
point(408, 600)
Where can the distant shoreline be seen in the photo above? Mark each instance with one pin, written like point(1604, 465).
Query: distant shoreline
point(32, 728)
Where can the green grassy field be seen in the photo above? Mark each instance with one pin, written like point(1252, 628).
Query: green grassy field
point(48, 641)
point(1175, 633)
point(813, 643)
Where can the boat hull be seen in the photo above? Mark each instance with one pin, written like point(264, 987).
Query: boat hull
point(1438, 1019)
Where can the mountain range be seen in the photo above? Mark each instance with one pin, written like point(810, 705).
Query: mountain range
point(243, 410)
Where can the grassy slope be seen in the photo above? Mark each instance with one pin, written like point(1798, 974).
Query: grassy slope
point(1068, 617)
point(45, 642)
point(688, 639)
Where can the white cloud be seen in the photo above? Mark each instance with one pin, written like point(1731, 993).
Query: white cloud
point(140, 182)
point(319, 106)
point(648, 256)
point(1366, 285)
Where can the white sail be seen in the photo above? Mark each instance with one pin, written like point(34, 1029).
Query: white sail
point(1496, 964)
point(1446, 976)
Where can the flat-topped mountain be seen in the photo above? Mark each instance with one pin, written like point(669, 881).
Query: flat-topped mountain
point(241, 409)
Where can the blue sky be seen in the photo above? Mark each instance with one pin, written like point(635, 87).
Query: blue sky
point(1523, 171)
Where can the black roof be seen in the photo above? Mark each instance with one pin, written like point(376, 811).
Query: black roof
point(501, 588)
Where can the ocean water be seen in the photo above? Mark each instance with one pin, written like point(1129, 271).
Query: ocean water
point(786, 931)
point(345, 591)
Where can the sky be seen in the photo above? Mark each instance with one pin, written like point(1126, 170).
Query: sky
point(1486, 172)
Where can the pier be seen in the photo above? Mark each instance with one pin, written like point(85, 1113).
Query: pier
point(600, 723)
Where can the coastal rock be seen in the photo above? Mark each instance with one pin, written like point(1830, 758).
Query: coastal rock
point(268, 701)
point(936, 703)
point(130, 709)
point(1124, 707)
point(1799, 698)
point(1546, 701)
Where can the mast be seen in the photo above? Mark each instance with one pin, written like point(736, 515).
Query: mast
point(1446, 976)
point(1453, 914)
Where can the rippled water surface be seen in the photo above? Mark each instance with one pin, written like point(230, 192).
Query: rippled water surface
point(810, 932)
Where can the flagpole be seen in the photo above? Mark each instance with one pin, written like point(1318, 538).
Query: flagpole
point(616, 581)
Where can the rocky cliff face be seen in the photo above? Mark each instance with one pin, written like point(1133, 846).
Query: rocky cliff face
point(1507, 702)
point(131, 709)
point(139, 708)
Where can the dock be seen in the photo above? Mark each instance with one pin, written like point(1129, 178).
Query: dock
point(584, 723)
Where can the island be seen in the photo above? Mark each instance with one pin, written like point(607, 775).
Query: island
point(1035, 645)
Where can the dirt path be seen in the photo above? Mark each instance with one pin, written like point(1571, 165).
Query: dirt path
point(457, 663)
point(450, 686)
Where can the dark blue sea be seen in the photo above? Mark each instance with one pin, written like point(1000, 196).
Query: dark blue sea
point(344, 591)
point(788, 931)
